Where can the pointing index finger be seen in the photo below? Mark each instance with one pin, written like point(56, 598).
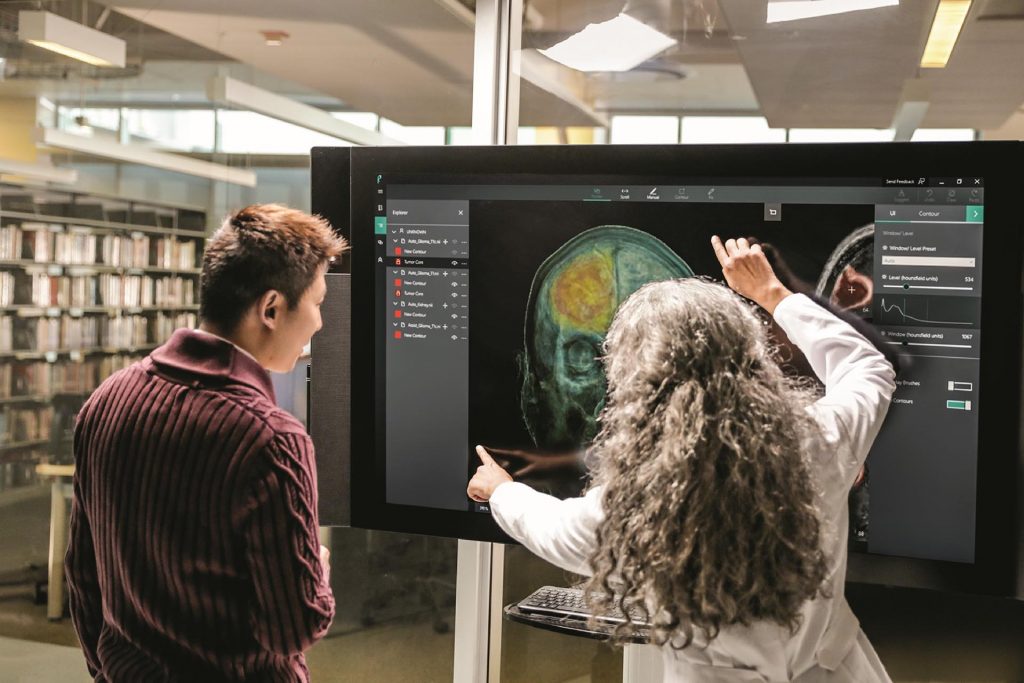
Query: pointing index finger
point(716, 244)
point(485, 457)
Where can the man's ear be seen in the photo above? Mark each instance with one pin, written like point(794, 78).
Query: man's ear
point(269, 308)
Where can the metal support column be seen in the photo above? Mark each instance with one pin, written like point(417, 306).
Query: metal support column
point(498, 29)
point(480, 575)
point(642, 664)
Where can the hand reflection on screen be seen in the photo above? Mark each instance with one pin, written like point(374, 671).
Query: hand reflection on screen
point(524, 463)
point(852, 290)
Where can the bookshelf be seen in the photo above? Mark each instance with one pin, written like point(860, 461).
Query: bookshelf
point(88, 285)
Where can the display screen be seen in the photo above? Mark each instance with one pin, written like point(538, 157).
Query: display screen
point(493, 294)
point(481, 282)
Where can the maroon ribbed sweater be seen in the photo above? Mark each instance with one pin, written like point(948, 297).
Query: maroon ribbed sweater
point(194, 553)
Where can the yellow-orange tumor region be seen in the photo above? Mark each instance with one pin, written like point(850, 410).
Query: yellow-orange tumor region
point(583, 294)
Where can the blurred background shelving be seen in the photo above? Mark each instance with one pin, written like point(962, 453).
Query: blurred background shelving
point(88, 285)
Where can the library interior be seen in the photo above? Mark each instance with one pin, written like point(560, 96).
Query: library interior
point(130, 130)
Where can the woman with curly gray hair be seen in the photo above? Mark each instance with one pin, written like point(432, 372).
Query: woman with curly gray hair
point(718, 505)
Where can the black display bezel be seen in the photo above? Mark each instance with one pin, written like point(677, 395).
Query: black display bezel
point(995, 566)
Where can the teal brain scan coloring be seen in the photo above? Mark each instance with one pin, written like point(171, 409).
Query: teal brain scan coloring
point(573, 298)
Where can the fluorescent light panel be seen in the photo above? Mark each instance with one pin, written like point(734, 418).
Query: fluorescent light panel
point(949, 19)
point(618, 44)
point(137, 154)
point(792, 10)
point(244, 96)
point(63, 36)
point(47, 172)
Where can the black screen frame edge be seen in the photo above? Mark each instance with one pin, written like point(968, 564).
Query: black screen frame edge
point(331, 200)
point(997, 535)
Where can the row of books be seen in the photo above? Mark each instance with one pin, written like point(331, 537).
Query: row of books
point(168, 252)
point(104, 289)
point(25, 379)
point(88, 332)
point(34, 244)
point(20, 424)
point(45, 243)
point(163, 326)
point(84, 376)
point(145, 290)
point(7, 288)
point(39, 378)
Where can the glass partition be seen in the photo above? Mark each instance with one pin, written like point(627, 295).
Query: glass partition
point(681, 71)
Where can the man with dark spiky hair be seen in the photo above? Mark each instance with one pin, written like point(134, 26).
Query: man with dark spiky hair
point(194, 552)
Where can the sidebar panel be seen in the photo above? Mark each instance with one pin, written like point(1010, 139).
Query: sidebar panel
point(927, 302)
point(427, 352)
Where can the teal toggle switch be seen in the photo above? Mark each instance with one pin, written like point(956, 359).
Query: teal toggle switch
point(958, 405)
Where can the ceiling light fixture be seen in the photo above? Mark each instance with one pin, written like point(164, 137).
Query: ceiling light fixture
point(63, 36)
point(45, 172)
point(792, 10)
point(235, 93)
point(274, 38)
point(137, 154)
point(949, 19)
point(618, 44)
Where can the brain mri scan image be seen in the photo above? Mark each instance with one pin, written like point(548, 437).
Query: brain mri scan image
point(573, 298)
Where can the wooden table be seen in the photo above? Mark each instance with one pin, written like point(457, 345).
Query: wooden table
point(60, 491)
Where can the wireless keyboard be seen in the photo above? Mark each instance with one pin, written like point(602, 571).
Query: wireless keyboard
point(571, 603)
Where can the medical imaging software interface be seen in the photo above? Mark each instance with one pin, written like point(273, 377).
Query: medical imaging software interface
point(493, 296)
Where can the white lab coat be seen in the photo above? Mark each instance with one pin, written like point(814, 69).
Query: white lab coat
point(829, 646)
